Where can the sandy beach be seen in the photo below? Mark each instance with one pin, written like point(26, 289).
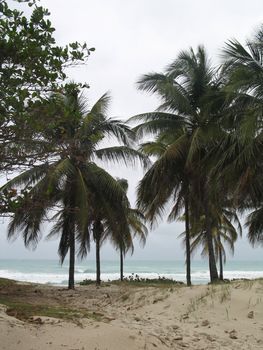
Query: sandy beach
point(120, 317)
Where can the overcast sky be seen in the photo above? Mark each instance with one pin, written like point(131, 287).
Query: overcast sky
point(134, 37)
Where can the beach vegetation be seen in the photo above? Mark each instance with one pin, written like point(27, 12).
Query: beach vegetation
point(225, 293)
point(136, 281)
point(32, 312)
point(5, 282)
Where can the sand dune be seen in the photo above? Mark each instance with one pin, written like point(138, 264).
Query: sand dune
point(228, 316)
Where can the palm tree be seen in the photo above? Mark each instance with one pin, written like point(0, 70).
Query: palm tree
point(107, 223)
point(167, 178)
point(71, 182)
point(136, 221)
point(224, 233)
point(241, 152)
point(189, 123)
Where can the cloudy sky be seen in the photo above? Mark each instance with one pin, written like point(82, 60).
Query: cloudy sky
point(133, 37)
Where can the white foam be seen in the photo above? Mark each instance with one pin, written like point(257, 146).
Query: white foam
point(35, 277)
point(243, 274)
point(62, 278)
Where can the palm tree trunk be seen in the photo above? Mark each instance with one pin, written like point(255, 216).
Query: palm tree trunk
point(98, 281)
point(97, 233)
point(211, 252)
point(71, 231)
point(71, 282)
point(187, 242)
point(221, 276)
point(121, 263)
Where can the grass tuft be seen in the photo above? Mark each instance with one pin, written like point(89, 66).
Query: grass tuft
point(26, 311)
point(4, 282)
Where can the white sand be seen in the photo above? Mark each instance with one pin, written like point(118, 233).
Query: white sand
point(202, 317)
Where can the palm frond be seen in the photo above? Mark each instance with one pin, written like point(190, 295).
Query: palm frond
point(101, 106)
point(27, 178)
point(255, 227)
point(123, 154)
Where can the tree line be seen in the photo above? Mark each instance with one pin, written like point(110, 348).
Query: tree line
point(203, 163)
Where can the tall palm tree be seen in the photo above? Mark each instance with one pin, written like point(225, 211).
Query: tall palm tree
point(241, 152)
point(71, 182)
point(164, 184)
point(190, 124)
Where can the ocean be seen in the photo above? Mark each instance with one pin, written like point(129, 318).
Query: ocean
point(50, 271)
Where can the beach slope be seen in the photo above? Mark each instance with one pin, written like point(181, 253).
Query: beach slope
point(121, 317)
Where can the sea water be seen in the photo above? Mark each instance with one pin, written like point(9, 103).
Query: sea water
point(50, 271)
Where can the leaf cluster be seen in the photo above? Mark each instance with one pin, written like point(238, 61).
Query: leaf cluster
point(31, 66)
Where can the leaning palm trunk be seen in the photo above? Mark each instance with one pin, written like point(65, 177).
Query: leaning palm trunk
point(187, 242)
point(121, 263)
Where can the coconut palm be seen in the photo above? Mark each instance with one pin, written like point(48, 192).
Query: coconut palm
point(107, 223)
point(241, 152)
point(189, 123)
point(166, 179)
point(71, 182)
point(224, 232)
point(123, 240)
point(105, 220)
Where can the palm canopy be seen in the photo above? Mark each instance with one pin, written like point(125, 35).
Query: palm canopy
point(73, 181)
point(186, 113)
point(162, 181)
point(226, 228)
point(186, 125)
point(243, 74)
point(244, 65)
point(78, 130)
